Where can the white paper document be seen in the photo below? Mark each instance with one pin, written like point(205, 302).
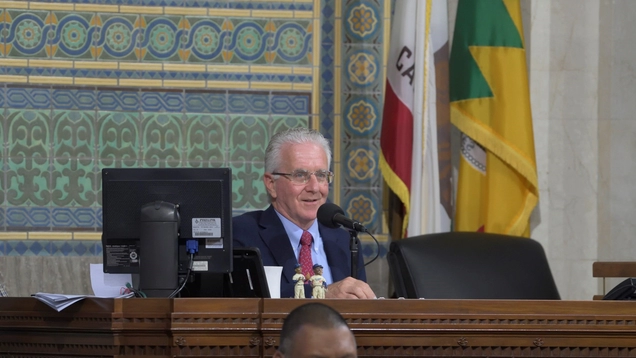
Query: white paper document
point(107, 284)
point(104, 286)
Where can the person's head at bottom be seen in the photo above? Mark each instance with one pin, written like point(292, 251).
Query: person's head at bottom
point(316, 330)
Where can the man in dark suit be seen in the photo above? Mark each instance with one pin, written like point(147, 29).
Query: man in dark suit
point(287, 233)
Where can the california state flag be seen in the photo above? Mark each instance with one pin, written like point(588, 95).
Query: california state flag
point(415, 140)
point(497, 188)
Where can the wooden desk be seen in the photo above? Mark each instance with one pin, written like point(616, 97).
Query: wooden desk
point(383, 328)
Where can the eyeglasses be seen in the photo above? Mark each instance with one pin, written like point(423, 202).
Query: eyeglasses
point(300, 176)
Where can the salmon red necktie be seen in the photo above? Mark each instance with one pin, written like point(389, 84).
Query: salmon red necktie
point(304, 258)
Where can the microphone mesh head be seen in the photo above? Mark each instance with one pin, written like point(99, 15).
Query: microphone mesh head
point(326, 212)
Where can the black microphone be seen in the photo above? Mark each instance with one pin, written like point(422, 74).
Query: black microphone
point(331, 215)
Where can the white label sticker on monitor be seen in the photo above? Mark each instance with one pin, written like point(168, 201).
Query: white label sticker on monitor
point(206, 227)
point(213, 243)
point(199, 266)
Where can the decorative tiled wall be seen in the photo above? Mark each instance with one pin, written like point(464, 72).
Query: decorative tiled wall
point(88, 84)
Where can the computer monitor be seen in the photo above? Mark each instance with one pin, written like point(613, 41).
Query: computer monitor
point(151, 214)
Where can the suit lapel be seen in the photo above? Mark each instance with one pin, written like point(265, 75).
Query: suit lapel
point(275, 237)
point(337, 253)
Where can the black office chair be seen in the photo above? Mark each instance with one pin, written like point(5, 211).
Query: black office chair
point(470, 265)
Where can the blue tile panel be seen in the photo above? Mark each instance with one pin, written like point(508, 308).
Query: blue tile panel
point(57, 140)
point(50, 248)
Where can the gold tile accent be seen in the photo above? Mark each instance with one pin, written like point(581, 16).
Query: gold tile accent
point(302, 86)
point(336, 179)
point(13, 236)
point(338, 166)
point(183, 67)
point(337, 125)
point(272, 14)
point(228, 84)
point(337, 83)
point(150, 10)
point(303, 14)
point(387, 44)
point(37, 235)
point(315, 121)
point(230, 13)
point(97, 236)
point(96, 81)
point(303, 70)
point(337, 157)
point(187, 11)
point(337, 51)
point(272, 69)
point(337, 133)
point(183, 84)
point(96, 8)
point(315, 101)
point(15, 62)
point(14, 4)
point(14, 79)
point(228, 69)
point(136, 66)
point(50, 6)
point(100, 65)
point(315, 55)
point(140, 83)
point(271, 86)
point(51, 80)
point(50, 64)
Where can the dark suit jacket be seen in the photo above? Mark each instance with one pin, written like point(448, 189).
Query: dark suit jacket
point(263, 229)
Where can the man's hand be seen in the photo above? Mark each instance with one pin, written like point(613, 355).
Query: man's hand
point(349, 288)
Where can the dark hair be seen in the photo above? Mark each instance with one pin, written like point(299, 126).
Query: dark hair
point(314, 314)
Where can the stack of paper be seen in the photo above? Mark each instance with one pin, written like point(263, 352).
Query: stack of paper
point(59, 302)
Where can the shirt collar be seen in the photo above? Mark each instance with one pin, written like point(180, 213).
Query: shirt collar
point(294, 232)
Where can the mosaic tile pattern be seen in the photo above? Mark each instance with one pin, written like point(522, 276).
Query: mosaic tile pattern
point(50, 248)
point(87, 35)
point(175, 83)
point(215, 4)
point(361, 110)
point(54, 153)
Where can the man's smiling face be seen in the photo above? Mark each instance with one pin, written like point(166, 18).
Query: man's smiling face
point(299, 202)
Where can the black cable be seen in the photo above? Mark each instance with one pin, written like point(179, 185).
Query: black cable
point(376, 244)
point(185, 280)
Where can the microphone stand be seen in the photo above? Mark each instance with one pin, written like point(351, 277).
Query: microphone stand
point(353, 246)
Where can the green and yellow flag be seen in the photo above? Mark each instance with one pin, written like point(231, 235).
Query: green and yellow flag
point(490, 103)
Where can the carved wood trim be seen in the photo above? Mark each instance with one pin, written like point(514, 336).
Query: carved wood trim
point(383, 328)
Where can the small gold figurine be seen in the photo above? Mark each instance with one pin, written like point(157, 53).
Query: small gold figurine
point(299, 279)
point(318, 283)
